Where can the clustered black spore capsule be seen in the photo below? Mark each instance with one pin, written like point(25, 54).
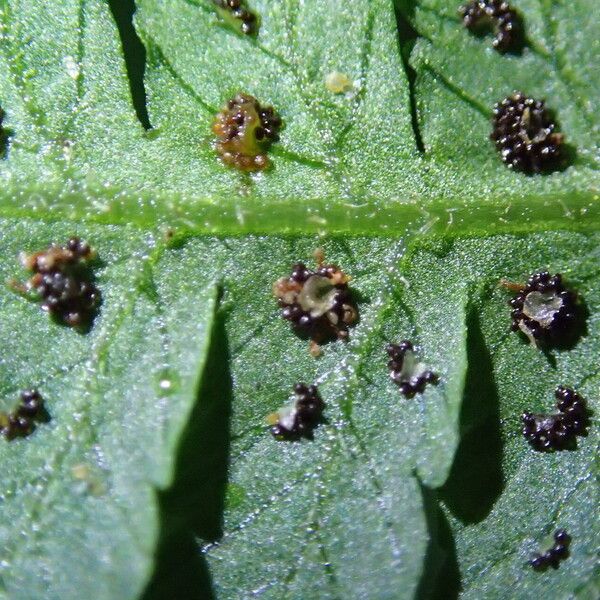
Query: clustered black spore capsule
point(406, 372)
point(558, 431)
point(301, 417)
point(238, 10)
point(544, 310)
point(245, 129)
point(317, 303)
point(63, 283)
point(21, 421)
point(552, 557)
point(481, 15)
point(524, 134)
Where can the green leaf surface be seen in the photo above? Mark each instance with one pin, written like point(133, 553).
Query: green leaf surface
point(157, 433)
point(524, 496)
point(289, 504)
point(289, 500)
point(345, 163)
point(456, 87)
point(79, 505)
point(64, 89)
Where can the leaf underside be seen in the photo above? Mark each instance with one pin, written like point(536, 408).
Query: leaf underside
point(156, 474)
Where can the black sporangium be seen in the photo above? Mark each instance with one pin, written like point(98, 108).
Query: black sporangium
point(497, 15)
point(21, 421)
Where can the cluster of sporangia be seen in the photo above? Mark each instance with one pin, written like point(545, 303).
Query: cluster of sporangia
point(523, 131)
point(410, 375)
point(21, 421)
point(552, 557)
point(238, 14)
point(544, 310)
point(299, 418)
point(482, 15)
point(317, 303)
point(244, 131)
point(62, 282)
point(524, 134)
point(558, 431)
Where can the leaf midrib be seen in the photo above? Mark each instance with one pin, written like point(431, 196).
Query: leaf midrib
point(189, 217)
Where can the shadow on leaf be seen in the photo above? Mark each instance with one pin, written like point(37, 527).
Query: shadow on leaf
point(407, 37)
point(5, 136)
point(193, 506)
point(476, 479)
point(135, 56)
point(440, 579)
point(577, 331)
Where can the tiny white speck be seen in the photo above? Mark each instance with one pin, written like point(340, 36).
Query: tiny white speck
point(240, 215)
point(317, 219)
point(68, 150)
point(71, 66)
point(405, 281)
point(338, 83)
point(165, 384)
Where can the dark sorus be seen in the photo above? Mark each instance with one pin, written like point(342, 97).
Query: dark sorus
point(299, 418)
point(557, 431)
point(524, 133)
point(544, 310)
point(410, 375)
point(21, 421)
point(552, 557)
point(245, 129)
point(237, 14)
point(480, 16)
point(317, 303)
point(62, 282)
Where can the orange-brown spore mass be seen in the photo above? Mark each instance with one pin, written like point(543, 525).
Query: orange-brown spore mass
point(244, 131)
